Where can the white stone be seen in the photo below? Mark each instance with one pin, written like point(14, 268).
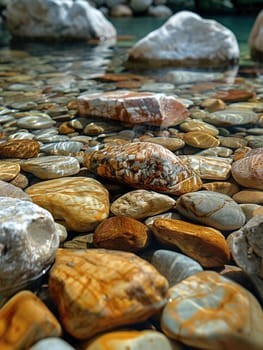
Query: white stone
point(51, 343)
point(187, 38)
point(159, 11)
point(57, 19)
point(255, 39)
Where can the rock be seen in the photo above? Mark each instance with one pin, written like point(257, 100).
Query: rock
point(255, 39)
point(19, 149)
point(224, 187)
point(52, 343)
point(232, 142)
point(28, 242)
point(57, 20)
point(174, 266)
point(182, 41)
point(20, 181)
point(121, 10)
point(79, 203)
point(200, 139)
point(204, 311)
point(141, 203)
point(133, 107)
point(8, 170)
point(140, 5)
point(248, 171)
point(159, 11)
point(104, 289)
point(249, 196)
point(231, 116)
point(133, 340)
point(211, 208)
point(203, 244)
point(121, 233)
point(246, 246)
point(9, 190)
point(25, 319)
point(198, 125)
point(172, 143)
point(143, 165)
point(234, 95)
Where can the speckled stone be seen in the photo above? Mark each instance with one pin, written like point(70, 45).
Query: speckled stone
point(8, 170)
point(141, 203)
point(133, 340)
point(203, 244)
point(19, 149)
point(51, 167)
point(97, 290)
point(79, 203)
point(209, 311)
point(174, 266)
point(211, 208)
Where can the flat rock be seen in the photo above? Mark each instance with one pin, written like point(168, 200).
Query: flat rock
point(19, 149)
point(8, 170)
point(231, 117)
point(200, 139)
point(97, 290)
point(249, 196)
point(211, 208)
point(133, 107)
point(205, 311)
point(79, 203)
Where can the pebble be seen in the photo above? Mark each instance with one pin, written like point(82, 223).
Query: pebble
point(171, 143)
point(204, 244)
point(224, 187)
point(62, 148)
point(8, 170)
point(35, 122)
point(231, 117)
point(9, 190)
point(141, 203)
point(211, 208)
point(96, 290)
point(79, 203)
point(249, 196)
point(48, 167)
point(19, 149)
point(232, 142)
point(190, 125)
point(53, 343)
point(204, 311)
point(200, 139)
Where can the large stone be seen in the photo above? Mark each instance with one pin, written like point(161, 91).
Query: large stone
point(97, 290)
point(28, 242)
point(255, 39)
point(80, 203)
point(133, 107)
point(186, 39)
point(208, 311)
point(57, 19)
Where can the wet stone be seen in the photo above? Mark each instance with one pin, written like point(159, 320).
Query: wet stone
point(200, 139)
point(19, 149)
point(249, 196)
point(134, 289)
point(198, 125)
point(171, 143)
point(8, 170)
point(216, 152)
point(230, 117)
point(141, 203)
point(9, 190)
point(233, 142)
point(35, 122)
point(224, 187)
point(61, 148)
point(20, 181)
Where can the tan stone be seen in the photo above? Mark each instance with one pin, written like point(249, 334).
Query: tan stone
point(249, 196)
point(204, 244)
point(19, 149)
point(97, 290)
point(8, 170)
point(224, 187)
point(24, 320)
point(121, 233)
point(258, 211)
point(200, 139)
point(172, 143)
point(213, 104)
point(198, 125)
point(81, 203)
point(234, 95)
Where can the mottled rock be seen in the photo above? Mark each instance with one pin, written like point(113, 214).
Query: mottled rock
point(28, 242)
point(133, 340)
point(141, 203)
point(51, 167)
point(9, 190)
point(174, 266)
point(203, 244)
point(133, 107)
point(248, 171)
point(8, 170)
point(97, 290)
point(79, 203)
point(182, 41)
point(211, 208)
point(121, 233)
point(205, 311)
point(143, 165)
point(52, 343)
point(25, 319)
point(19, 149)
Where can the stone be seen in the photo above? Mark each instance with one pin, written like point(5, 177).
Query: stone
point(143, 165)
point(121, 233)
point(205, 311)
point(121, 10)
point(200, 139)
point(51, 167)
point(182, 39)
point(57, 20)
point(62, 148)
point(248, 171)
point(232, 142)
point(97, 290)
point(24, 320)
point(198, 125)
point(246, 246)
point(204, 244)
point(8, 170)
point(255, 39)
point(52, 343)
point(211, 208)
point(20, 181)
point(9, 190)
point(159, 11)
point(249, 196)
point(140, 204)
point(140, 5)
point(216, 152)
point(35, 122)
point(133, 107)
point(133, 340)
point(79, 203)
point(231, 117)
point(213, 104)
point(224, 187)
point(174, 266)
point(19, 149)
point(234, 95)
point(250, 210)
point(172, 143)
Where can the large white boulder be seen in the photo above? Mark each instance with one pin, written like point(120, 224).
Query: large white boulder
point(186, 39)
point(57, 19)
point(255, 39)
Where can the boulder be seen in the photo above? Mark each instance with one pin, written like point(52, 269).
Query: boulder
point(186, 39)
point(255, 39)
point(57, 20)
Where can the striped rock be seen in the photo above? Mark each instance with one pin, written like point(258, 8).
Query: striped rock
point(8, 170)
point(19, 149)
point(208, 311)
point(143, 165)
point(134, 107)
